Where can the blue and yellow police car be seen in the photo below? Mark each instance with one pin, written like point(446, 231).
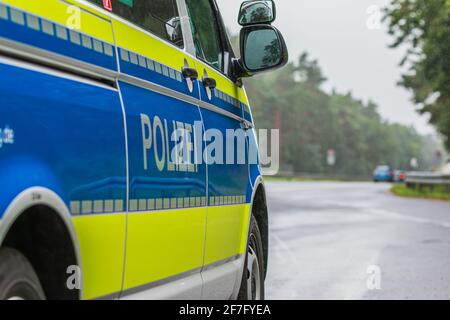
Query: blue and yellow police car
point(95, 97)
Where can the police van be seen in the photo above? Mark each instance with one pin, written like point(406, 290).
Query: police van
point(95, 97)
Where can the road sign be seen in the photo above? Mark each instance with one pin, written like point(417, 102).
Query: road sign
point(414, 163)
point(331, 157)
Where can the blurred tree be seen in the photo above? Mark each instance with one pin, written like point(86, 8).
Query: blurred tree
point(423, 26)
point(309, 72)
point(313, 121)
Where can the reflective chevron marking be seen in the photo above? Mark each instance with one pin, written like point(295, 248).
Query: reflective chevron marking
point(87, 207)
point(52, 29)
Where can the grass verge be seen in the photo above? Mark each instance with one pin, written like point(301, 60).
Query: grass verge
point(438, 193)
point(297, 179)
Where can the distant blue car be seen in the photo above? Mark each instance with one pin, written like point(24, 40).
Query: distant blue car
point(383, 174)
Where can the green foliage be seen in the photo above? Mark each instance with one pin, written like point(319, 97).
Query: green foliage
point(423, 26)
point(437, 193)
point(312, 121)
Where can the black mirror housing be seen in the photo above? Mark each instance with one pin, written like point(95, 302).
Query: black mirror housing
point(262, 49)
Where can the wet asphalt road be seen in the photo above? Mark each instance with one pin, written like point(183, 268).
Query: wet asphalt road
point(328, 239)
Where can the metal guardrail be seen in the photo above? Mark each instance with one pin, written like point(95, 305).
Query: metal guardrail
point(430, 179)
point(321, 176)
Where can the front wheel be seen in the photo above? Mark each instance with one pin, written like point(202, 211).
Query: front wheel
point(18, 280)
point(252, 285)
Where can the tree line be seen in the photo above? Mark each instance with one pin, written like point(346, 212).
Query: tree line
point(312, 121)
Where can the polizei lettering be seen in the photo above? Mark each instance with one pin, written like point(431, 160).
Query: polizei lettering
point(173, 144)
point(178, 146)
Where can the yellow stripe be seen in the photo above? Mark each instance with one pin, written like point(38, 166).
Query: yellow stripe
point(160, 244)
point(102, 245)
point(59, 12)
point(242, 96)
point(163, 244)
point(135, 40)
point(226, 232)
point(91, 8)
point(150, 46)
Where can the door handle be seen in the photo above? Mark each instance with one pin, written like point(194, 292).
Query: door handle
point(209, 83)
point(190, 73)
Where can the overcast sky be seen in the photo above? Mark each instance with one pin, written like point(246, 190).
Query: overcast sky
point(353, 56)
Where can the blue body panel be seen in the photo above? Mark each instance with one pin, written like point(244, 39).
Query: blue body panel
point(229, 179)
point(225, 179)
point(57, 137)
point(152, 183)
point(246, 113)
point(254, 168)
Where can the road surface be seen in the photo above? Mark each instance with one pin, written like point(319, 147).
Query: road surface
point(355, 241)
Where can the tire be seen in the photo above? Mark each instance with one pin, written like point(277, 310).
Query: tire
point(18, 280)
point(252, 283)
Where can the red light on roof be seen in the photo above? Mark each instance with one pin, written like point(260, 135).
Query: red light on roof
point(107, 4)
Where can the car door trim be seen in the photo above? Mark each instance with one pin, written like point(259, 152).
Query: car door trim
point(158, 283)
point(189, 45)
point(221, 262)
point(162, 282)
point(7, 60)
point(56, 61)
point(157, 88)
point(216, 109)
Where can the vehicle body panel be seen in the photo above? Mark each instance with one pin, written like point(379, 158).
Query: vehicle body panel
point(139, 229)
point(50, 150)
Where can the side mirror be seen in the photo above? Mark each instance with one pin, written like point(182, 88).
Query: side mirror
point(262, 49)
point(173, 30)
point(257, 12)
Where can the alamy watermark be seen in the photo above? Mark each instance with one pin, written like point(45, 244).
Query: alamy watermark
point(73, 21)
point(176, 146)
point(374, 21)
point(74, 277)
point(6, 136)
point(374, 279)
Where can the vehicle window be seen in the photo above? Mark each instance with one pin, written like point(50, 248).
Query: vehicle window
point(205, 32)
point(160, 17)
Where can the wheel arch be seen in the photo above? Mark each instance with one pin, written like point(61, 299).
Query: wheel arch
point(40, 199)
point(260, 211)
point(259, 198)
